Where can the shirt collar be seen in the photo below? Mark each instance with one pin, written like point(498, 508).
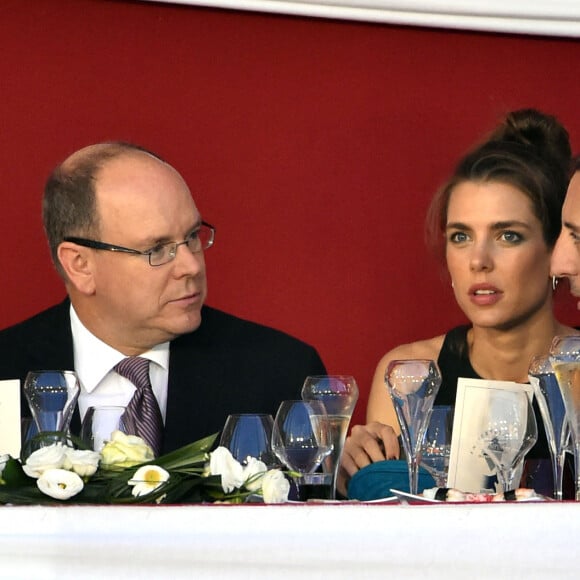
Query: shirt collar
point(94, 359)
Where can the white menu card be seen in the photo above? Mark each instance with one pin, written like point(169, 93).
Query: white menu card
point(10, 417)
point(468, 469)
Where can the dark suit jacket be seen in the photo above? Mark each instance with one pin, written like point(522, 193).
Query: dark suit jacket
point(228, 365)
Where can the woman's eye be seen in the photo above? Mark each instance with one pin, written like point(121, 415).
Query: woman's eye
point(511, 237)
point(458, 237)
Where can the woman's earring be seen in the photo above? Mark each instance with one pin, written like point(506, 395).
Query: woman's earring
point(452, 284)
point(555, 281)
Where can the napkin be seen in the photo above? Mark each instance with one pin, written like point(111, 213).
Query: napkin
point(377, 479)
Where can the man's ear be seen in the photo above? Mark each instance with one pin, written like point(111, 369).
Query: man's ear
point(77, 265)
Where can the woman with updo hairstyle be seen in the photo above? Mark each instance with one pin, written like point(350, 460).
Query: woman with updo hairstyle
point(495, 222)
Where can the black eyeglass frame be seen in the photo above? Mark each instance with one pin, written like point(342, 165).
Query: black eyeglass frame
point(96, 245)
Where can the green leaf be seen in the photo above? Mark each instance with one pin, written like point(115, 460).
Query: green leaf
point(14, 476)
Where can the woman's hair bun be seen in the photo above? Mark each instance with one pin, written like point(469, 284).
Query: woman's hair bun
point(541, 132)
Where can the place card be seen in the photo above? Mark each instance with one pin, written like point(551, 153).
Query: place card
point(469, 470)
point(10, 439)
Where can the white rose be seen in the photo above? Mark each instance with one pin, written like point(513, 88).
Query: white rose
point(125, 451)
point(59, 483)
point(222, 462)
point(253, 473)
point(51, 457)
point(275, 487)
point(83, 462)
point(147, 479)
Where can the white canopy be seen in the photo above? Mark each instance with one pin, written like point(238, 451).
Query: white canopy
point(543, 17)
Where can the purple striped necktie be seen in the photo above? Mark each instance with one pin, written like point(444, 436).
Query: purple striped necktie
point(142, 416)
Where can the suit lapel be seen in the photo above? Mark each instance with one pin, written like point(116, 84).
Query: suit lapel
point(196, 376)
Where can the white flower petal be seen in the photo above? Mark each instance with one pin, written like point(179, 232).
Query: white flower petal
point(147, 479)
point(50, 457)
point(222, 462)
point(275, 487)
point(84, 462)
point(59, 483)
point(254, 471)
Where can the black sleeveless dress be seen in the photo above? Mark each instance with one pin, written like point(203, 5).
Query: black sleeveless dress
point(454, 362)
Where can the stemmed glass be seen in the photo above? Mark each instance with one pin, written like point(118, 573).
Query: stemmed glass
point(249, 435)
point(339, 393)
point(52, 396)
point(98, 424)
point(547, 391)
point(301, 437)
point(565, 359)
point(508, 432)
point(436, 447)
point(413, 385)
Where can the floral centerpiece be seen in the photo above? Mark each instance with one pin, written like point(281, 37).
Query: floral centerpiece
point(126, 472)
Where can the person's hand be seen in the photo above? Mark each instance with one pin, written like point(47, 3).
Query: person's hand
point(365, 445)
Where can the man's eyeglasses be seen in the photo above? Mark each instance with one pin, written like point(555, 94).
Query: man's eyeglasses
point(201, 239)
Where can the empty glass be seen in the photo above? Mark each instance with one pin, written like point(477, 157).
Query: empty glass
point(249, 435)
point(413, 385)
point(508, 431)
point(99, 423)
point(547, 391)
point(52, 397)
point(436, 447)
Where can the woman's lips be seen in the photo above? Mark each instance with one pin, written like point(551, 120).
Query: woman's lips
point(484, 294)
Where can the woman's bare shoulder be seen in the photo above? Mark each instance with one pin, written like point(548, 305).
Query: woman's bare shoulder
point(428, 348)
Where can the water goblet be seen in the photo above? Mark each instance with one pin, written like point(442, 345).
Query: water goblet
point(565, 359)
point(249, 435)
point(339, 393)
point(508, 432)
point(413, 385)
point(301, 437)
point(436, 447)
point(543, 379)
point(52, 396)
point(98, 424)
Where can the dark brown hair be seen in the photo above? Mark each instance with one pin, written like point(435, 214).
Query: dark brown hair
point(529, 150)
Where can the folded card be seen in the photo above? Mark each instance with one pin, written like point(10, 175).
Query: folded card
point(10, 438)
point(469, 470)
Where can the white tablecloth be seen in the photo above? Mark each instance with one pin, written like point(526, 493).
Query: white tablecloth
point(291, 541)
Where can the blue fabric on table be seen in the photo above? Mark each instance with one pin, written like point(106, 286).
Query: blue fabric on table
point(377, 479)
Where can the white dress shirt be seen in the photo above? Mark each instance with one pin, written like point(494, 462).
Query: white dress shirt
point(100, 384)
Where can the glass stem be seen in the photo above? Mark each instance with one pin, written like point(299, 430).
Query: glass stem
point(577, 468)
point(413, 475)
point(506, 478)
point(558, 468)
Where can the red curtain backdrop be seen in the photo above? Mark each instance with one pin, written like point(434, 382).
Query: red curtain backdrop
point(312, 145)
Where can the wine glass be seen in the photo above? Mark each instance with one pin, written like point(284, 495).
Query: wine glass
point(436, 447)
point(413, 385)
point(52, 396)
point(301, 437)
point(547, 391)
point(249, 435)
point(98, 424)
point(339, 393)
point(508, 432)
point(565, 359)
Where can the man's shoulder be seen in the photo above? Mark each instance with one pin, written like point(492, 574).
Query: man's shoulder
point(52, 319)
point(228, 327)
